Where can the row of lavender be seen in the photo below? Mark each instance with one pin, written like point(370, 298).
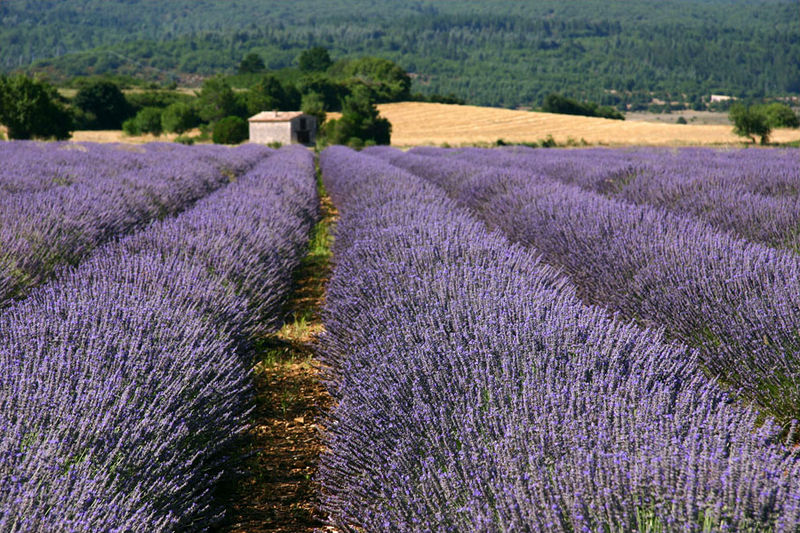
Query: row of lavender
point(754, 194)
point(126, 380)
point(738, 302)
point(475, 392)
point(58, 202)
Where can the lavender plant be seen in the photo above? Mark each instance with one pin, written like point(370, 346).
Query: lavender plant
point(734, 300)
point(125, 380)
point(750, 193)
point(59, 202)
point(475, 392)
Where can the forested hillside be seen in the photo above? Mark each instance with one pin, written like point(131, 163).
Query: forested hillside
point(502, 53)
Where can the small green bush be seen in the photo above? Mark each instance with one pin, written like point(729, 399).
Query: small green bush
point(780, 115)
point(230, 130)
point(548, 142)
point(149, 120)
point(131, 127)
point(179, 117)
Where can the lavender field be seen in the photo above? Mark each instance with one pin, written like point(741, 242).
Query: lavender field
point(126, 377)
point(514, 339)
point(58, 202)
point(549, 341)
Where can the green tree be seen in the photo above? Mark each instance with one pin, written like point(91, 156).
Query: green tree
point(179, 117)
point(780, 115)
point(316, 59)
point(216, 100)
point(149, 120)
point(103, 105)
point(131, 127)
point(32, 109)
point(750, 121)
point(268, 95)
point(141, 99)
point(386, 80)
point(555, 103)
point(252, 63)
point(230, 130)
point(314, 105)
point(360, 122)
point(332, 93)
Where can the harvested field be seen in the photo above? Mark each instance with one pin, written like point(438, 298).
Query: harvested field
point(420, 123)
point(119, 136)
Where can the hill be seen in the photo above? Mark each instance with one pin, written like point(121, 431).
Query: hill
point(417, 123)
point(503, 53)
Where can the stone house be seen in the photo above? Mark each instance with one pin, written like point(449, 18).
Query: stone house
point(285, 127)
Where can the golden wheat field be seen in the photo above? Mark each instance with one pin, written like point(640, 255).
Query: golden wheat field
point(113, 136)
point(118, 136)
point(420, 123)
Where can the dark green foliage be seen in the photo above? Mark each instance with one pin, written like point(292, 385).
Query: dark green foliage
point(131, 127)
point(331, 92)
point(149, 120)
point(780, 115)
point(230, 130)
point(103, 106)
point(360, 122)
point(313, 104)
point(252, 63)
point(316, 59)
point(269, 94)
point(32, 109)
point(216, 100)
point(179, 117)
point(555, 103)
point(141, 99)
point(437, 98)
point(750, 121)
point(505, 53)
point(680, 120)
point(386, 81)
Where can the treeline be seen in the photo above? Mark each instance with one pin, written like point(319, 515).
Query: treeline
point(555, 103)
point(34, 109)
point(618, 53)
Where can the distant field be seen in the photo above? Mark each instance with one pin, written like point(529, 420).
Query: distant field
point(112, 136)
point(705, 118)
point(418, 123)
point(119, 136)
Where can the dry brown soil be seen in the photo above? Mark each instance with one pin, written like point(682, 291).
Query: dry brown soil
point(279, 493)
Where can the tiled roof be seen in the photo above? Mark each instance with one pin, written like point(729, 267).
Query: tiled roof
point(275, 116)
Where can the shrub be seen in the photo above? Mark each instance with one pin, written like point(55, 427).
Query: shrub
point(131, 127)
point(781, 116)
point(230, 130)
point(179, 117)
point(148, 120)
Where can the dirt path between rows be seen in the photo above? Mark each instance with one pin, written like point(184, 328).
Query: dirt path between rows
point(278, 493)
